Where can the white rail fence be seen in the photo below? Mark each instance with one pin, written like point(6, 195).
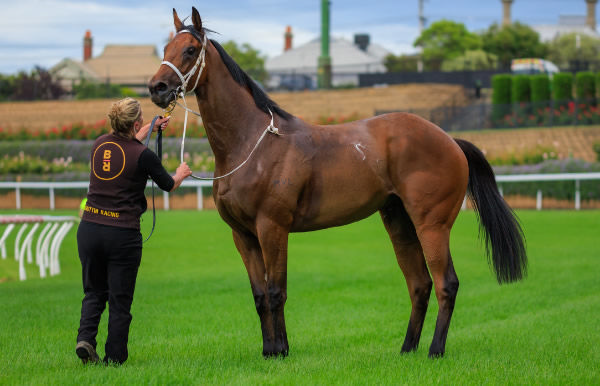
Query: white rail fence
point(53, 232)
point(53, 186)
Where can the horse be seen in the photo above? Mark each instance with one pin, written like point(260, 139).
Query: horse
point(306, 177)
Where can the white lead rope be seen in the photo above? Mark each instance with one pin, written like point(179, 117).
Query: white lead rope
point(184, 80)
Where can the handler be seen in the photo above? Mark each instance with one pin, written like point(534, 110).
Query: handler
point(108, 238)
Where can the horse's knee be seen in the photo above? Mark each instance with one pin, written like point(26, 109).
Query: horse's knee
point(421, 293)
point(277, 297)
point(260, 301)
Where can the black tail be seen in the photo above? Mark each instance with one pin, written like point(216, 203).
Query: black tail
point(498, 223)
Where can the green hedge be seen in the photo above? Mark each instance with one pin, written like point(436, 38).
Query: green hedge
point(501, 85)
point(585, 86)
point(562, 86)
point(540, 88)
point(520, 89)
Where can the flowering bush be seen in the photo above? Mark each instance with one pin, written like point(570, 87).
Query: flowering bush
point(81, 130)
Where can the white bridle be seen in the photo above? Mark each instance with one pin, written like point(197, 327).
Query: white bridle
point(182, 90)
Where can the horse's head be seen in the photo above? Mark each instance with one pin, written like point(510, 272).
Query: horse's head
point(181, 69)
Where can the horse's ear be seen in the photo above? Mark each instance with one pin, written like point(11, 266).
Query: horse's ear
point(176, 21)
point(196, 20)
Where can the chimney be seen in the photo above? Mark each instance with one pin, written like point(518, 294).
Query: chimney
point(506, 8)
point(590, 21)
point(362, 41)
point(87, 45)
point(287, 41)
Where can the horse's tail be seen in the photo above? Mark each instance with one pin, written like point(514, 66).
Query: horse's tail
point(497, 221)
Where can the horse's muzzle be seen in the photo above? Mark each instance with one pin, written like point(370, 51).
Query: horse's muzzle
point(161, 93)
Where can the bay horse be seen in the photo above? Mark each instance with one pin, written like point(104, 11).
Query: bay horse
point(307, 177)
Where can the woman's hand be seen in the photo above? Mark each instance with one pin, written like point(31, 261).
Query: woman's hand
point(161, 122)
point(182, 172)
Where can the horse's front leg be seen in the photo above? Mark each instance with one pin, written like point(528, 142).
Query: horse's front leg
point(273, 239)
point(249, 248)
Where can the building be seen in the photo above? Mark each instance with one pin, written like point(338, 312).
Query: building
point(130, 66)
point(581, 24)
point(296, 68)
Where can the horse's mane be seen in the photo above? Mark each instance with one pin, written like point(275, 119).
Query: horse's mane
point(261, 99)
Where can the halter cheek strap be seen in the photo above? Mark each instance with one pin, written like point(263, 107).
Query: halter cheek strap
point(200, 62)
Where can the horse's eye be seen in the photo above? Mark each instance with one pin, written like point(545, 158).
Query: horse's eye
point(190, 50)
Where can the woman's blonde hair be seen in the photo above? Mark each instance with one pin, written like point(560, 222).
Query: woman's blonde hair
point(123, 114)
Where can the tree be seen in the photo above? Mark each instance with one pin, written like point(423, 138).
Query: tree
point(471, 60)
point(248, 58)
point(37, 85)
point(402, 63)
point(445, 40)
point(513, 41)
point(563, 49)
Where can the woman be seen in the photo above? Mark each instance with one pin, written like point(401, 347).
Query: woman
point(109, 239)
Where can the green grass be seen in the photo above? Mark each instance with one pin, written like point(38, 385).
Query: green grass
point(194, 320)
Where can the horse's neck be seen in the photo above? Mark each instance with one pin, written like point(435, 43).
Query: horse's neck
point(232, 121)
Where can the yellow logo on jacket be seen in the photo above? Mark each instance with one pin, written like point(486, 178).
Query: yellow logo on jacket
point(108, 161)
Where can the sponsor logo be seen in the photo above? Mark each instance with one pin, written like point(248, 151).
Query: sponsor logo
point(108, 161)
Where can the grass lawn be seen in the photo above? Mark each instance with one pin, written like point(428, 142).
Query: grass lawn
point(194, 320)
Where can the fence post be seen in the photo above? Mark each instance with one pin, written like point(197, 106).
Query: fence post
point(538, 203)
point(18, 197)
point(199, 197)
point(166, 200)
point(51, 189)
point(577, 195)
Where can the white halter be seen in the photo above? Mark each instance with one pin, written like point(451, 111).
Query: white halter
point(181, 91)
point(199, 62)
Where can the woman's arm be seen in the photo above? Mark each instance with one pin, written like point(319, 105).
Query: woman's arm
point(151, 165)
point(143, 132)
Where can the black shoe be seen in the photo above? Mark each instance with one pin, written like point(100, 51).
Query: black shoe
point(86, 352)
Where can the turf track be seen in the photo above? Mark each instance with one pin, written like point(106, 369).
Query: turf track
point(347, 311)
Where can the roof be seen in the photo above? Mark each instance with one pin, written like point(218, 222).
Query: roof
point(345, 57)
point(69, 69)
point(125, 64)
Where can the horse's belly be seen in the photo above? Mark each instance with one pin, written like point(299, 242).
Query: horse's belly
point(339, 199)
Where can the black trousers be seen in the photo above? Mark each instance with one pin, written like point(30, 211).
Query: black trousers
point(110, 258)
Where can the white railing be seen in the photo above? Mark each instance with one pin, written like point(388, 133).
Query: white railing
point(576, 177)
point(52, 186)
point(48, 243)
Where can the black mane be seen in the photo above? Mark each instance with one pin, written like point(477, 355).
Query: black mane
point(261, 99)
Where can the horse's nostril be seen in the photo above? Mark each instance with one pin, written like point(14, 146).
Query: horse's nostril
point(159, 88)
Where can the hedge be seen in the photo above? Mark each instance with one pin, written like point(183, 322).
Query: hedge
point(520, 89)
point(540, 88)
point(585, 86)
point(562, 86)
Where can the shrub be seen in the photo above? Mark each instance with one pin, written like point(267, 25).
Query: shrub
point(540, 88)
point(501, 85)
point(562, 87)
point(596, 148)
point(585, 87)
point(520, 89)
point(501, 96)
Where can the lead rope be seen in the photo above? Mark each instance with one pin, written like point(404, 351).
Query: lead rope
point(159, 154)
point(180, 93)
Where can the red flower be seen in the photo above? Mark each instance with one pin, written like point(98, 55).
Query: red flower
point(571, 107)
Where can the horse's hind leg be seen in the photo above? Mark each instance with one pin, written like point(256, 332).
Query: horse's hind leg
point(410, 259)
point(249, 248)
point(435, 243)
